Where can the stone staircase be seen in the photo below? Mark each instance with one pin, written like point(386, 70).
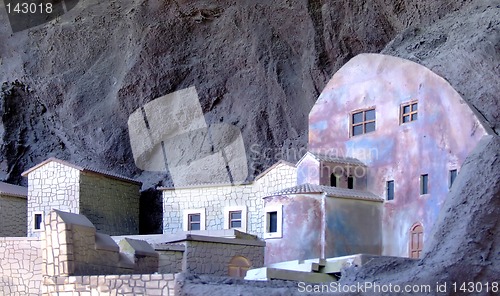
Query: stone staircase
point(316, 270)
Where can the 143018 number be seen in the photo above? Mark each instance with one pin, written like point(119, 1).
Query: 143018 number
point(31, 8)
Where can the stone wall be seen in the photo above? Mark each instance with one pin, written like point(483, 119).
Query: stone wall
point(20, 266)
point(170, 261)
point(137, 284)
point(112, 205)
point(214, 199)
point(71, 246)
point(53, 185)
point(13, 213)
point(212, 255)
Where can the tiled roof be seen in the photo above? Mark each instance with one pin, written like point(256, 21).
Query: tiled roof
point(329, 191)
point(82, 169)
point(203, 185)
point(13, 190)
point(336, 159)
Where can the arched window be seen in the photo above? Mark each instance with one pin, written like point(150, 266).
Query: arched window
point(416, 240)
point(333, 180)
point(238, 266)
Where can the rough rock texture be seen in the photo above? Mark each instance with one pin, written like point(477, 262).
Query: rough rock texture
point(69, 85)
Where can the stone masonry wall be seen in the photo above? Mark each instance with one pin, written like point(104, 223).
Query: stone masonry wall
point(53, 185)
point(170, 261)
point(213, 258)
point(127, 285)
point(13, 214)
point(215, 198)
point(20, 266)
point(111, 205)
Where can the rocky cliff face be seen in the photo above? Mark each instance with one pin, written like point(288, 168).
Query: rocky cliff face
point(69, 86)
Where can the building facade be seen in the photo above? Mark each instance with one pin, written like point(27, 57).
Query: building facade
point(215, 207)
point(12, 210)
point(409, 127)
point(110, 201)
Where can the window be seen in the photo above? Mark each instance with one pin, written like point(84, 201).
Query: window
point(350, 182)
point(333, 180)
point(194, 220)
point(235, 217)
point(453, 176)
point(38, 219)
point(362, 122)
point(424, 184)
point(409, 112)
point(272, 217)
point(274, 220)
point(390, 190)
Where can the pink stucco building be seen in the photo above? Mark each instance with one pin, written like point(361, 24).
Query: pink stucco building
point(393, 135)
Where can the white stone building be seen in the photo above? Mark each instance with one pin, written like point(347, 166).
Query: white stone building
point(215, 207)
point(12, 210)
point(111, 202)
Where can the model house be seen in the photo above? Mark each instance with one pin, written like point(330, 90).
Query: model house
point(109, 201)
point(217, 207)
point(389, 137)
point(12, 210)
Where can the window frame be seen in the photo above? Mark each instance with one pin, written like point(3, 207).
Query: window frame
point(35, 213)
point(187, 213)
point(450, 181)
point(227, 217)
point(422, 187)
point(387, 190)
point(362, 123)
point(279, 227)
point(410, 114)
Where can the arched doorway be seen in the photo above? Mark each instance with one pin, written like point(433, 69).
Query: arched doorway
point(238, 266)
point(416, 240)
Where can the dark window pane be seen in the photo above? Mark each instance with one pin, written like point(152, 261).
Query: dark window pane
point(273, 221)
point(369, 127)
point(38, 221)
point(390, 190)
point(357, 130)
point(350, 182)
point(453, 176)
point(414, 107)
point(357, 117)
point(235, 224)
point(406, 118)
point(370, 115)
point(424, 180)
point(235, 215)
point(333, 180)
point(194, 226)
point(406, 109)
point(194, 218)
point(414, 116)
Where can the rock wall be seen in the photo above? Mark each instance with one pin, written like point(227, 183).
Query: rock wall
point(20, 266)
point(13, 212)
point(111, 205)
point(214, 200)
